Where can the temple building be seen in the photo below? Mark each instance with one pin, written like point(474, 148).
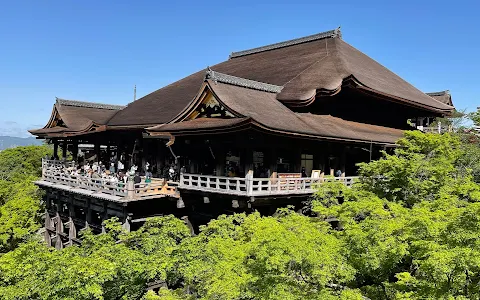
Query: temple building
point(255, 132)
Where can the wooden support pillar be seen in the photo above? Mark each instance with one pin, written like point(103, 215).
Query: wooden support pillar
point(64, 150)
point(88, 212)
point(109, 154)
point(220, 162)
point(343, 160)
point(160, 157)
point(71, 209)
point(55, 149)
point(272, 161)
point(97, 151)
point(248, 159)
point(75, 150)
point(297, 160)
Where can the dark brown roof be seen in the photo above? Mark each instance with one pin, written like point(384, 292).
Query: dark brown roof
point(443, 96)
point(77, 117)
point(301, 67)
point(262, 109)
point(200, 124)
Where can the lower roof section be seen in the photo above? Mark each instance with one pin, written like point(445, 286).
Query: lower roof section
point(322, 127)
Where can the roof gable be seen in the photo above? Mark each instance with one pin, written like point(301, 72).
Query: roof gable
point(443, 96)
point(71, 117)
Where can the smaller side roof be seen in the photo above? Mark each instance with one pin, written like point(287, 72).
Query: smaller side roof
point(72, 117)
point(444, 96)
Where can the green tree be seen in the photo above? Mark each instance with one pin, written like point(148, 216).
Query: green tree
point(20, 207)
point(115, 265)
point(252, 257)
point(410, 227)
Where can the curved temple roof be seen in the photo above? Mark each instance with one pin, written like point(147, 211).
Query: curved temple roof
point(72, 117)
point(443, 96)
point(300, 68)
point(259, 108)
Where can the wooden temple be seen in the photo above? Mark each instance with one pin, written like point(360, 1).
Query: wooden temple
point(255, 132)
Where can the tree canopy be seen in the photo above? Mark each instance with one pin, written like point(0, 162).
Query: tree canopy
point(408, 229)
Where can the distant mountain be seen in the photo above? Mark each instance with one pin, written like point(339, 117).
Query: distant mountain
point(11, 141)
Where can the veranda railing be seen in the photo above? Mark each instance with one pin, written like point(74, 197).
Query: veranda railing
point(255, 186)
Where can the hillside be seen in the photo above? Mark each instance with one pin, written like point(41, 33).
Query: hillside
point(11, 141)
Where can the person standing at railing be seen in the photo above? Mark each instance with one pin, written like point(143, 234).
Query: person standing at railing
point(304, 173)
point(148, 176)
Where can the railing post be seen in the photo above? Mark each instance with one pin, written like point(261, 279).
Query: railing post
point(130, 188)
point(43, 169)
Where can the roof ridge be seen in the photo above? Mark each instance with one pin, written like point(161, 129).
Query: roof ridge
point(89, 104)
point(243, 82)
point(441, 93)
point(322, 35)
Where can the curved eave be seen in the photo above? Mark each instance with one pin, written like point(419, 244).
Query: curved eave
point(353, 82)
point(92, 128)
point(252, 124)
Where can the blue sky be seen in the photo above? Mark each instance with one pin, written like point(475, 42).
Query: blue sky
point(98, 50)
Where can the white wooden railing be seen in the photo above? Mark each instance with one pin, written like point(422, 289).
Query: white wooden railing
point(435, 129)
point(101, 185)
point(49, 163)
point(255, 186)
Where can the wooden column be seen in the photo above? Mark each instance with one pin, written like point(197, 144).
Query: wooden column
point(220, 161)
point(64, 150)
point(248, 159)
point(75, 150)
point(297, 159)
point(88, 212)
point(272, 160)
point(97, 151)
point(343, 160)
point(55, 149)
point(109, 155)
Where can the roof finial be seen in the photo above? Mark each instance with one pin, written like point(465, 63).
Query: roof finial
point(338, 33)
point(135, 93)
point(210, 74)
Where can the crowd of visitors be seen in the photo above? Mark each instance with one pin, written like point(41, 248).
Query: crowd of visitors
point(113, 172)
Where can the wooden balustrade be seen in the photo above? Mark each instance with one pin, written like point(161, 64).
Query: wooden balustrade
point(98, 185)
point(215, 184)
point(218, 184)
point(256, 186)
point(48, 163)
point(115, 188)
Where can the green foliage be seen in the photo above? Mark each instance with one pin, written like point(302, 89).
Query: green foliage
point(424, 166)
point(411, 225)
point(21, 162)
point(19, 198)
point(253, 257)
point(115, 265)
point(409, 229)
point(475, 117)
